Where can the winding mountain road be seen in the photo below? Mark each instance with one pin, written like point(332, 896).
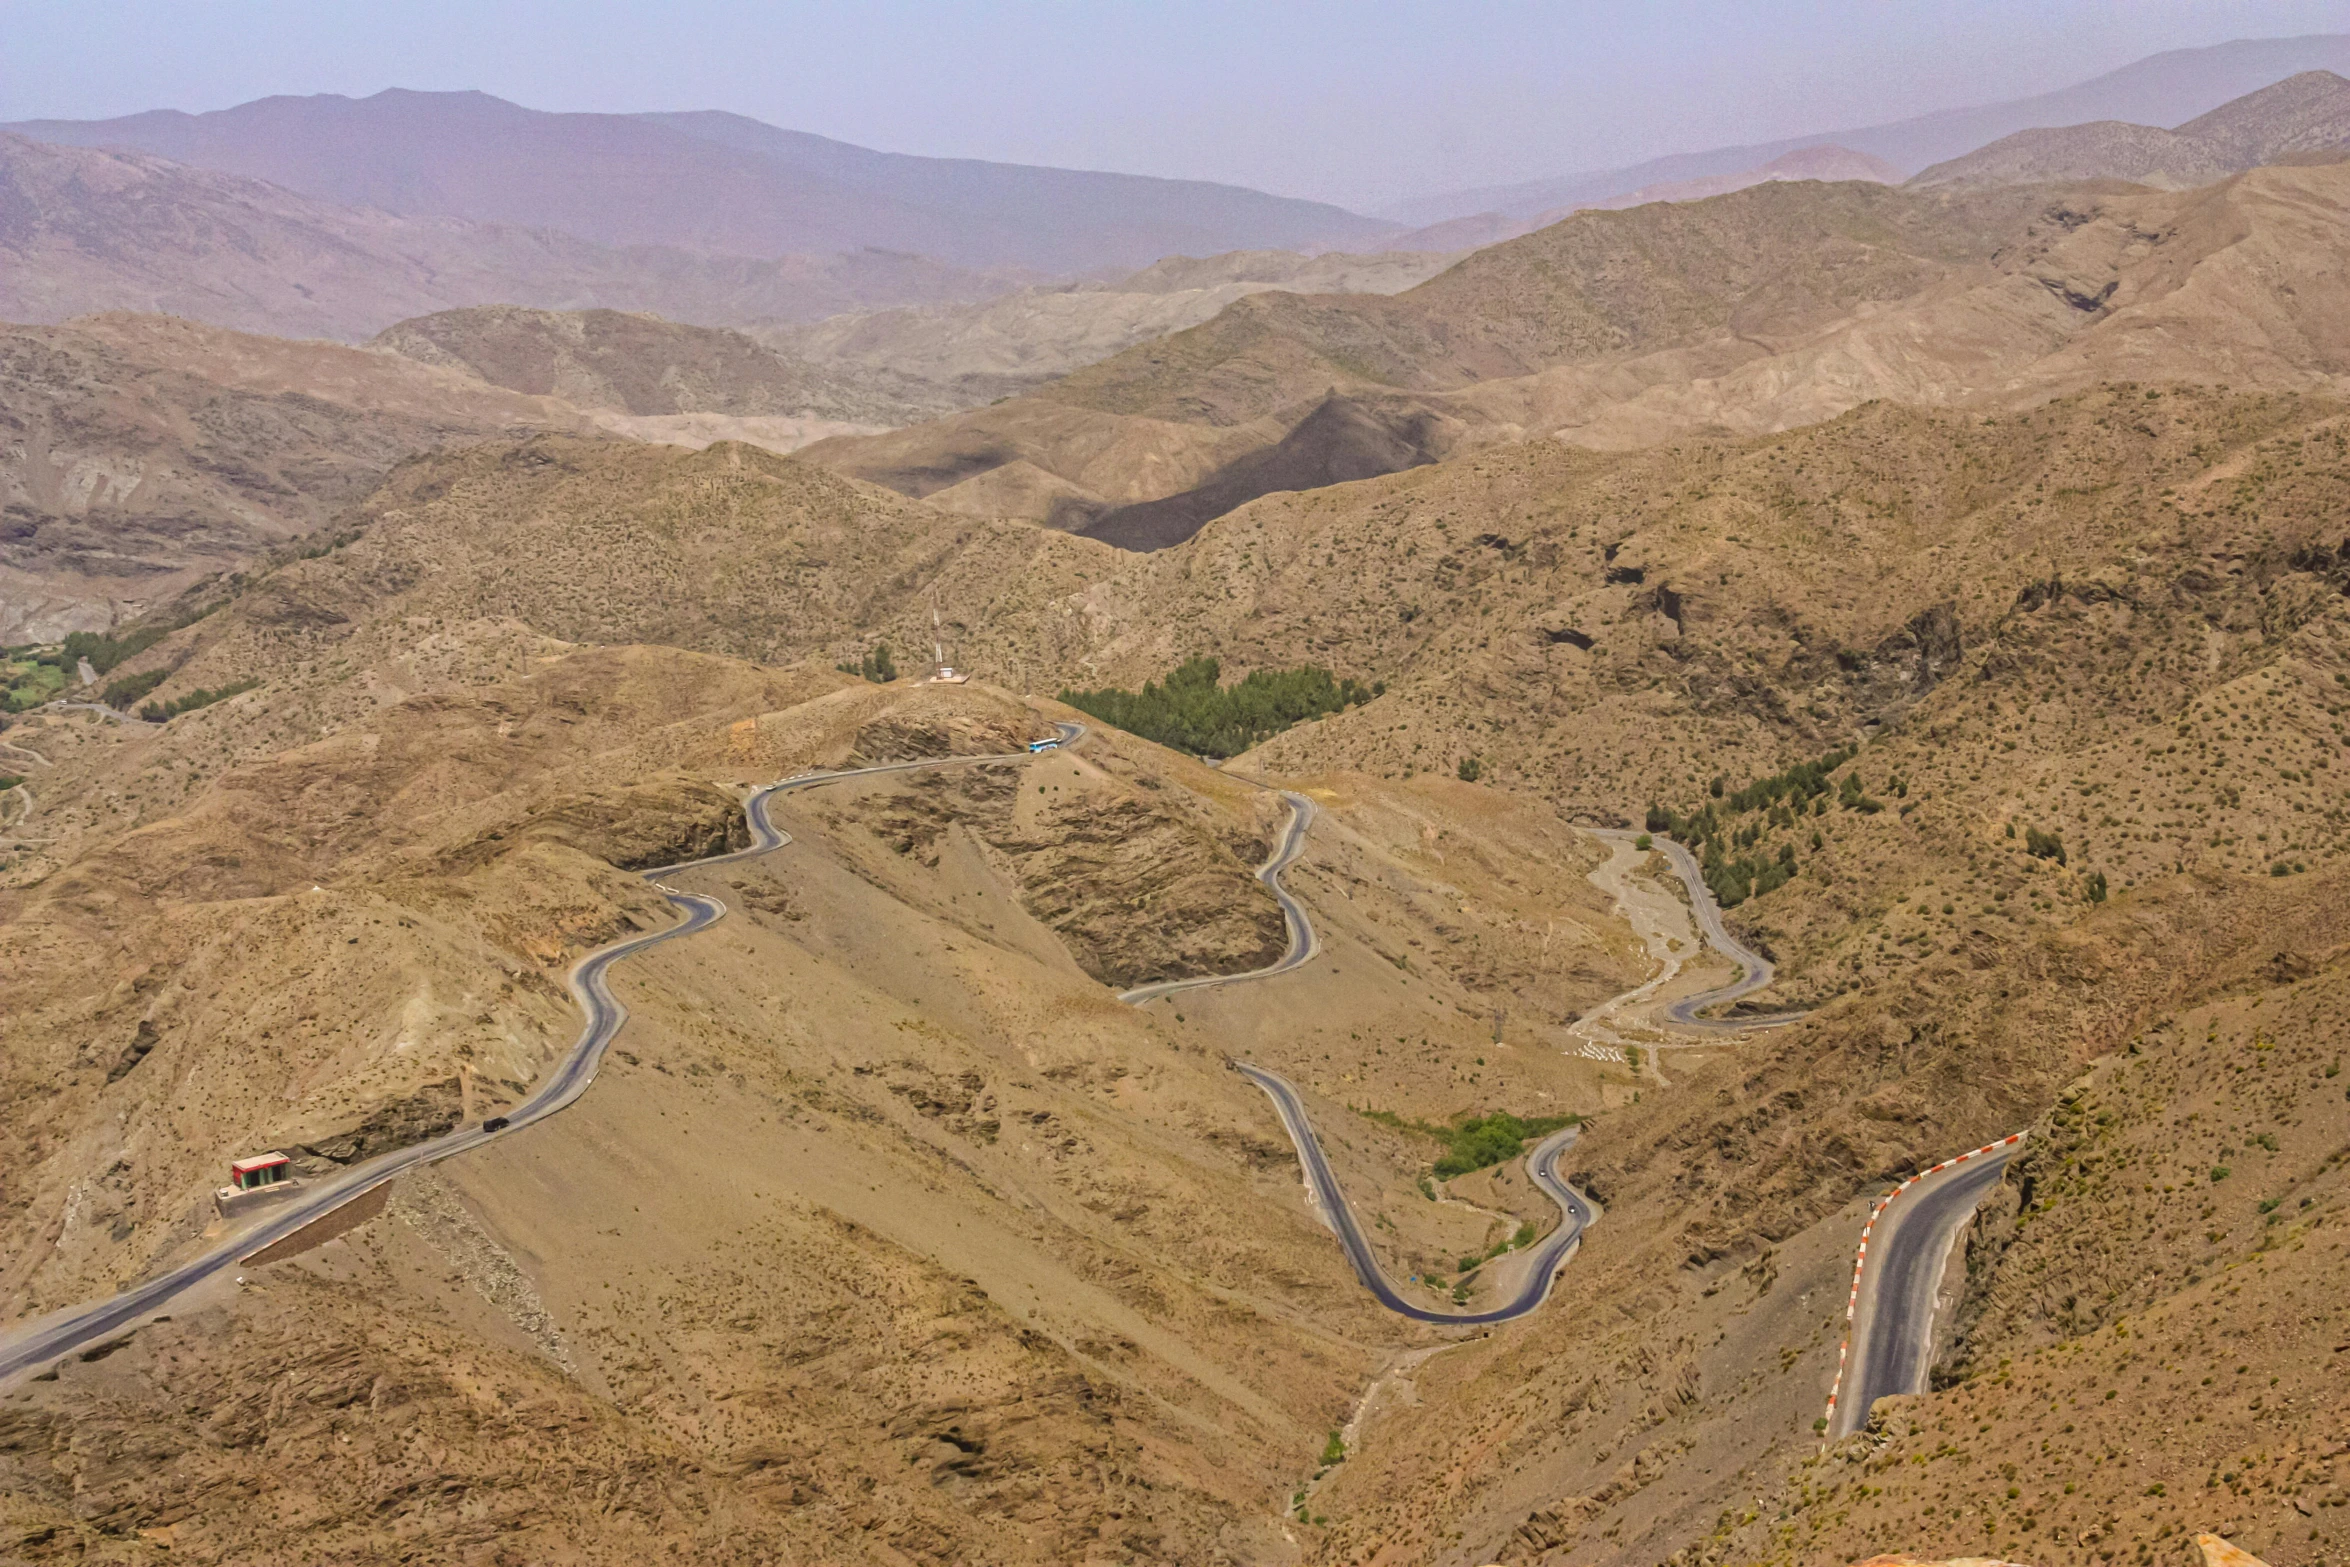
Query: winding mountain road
point(77, 1328)
point(1896, 1289)
point(1542, 1165)
point(1301, 930)
point(1544, 1262)
point(1758, 971)
point(1892, 1357)
point(1904, 1252)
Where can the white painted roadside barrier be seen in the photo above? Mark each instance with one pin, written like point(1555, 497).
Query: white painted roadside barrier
point(1860, 1263)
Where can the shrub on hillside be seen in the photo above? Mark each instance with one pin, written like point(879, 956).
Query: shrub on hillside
point(1481, 1141)
point(165, 712)
point(2043, 845)
point(877, 665)
point(132, 688)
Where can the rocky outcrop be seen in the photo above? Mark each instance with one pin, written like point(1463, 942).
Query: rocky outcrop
point(398, 1123)
point(2215, 1551)
point(1138, 890)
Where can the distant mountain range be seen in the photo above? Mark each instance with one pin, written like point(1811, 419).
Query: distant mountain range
point(334, 217)
point(710, 183)
point(1823, 162)
point(2162, 89)
point(1779, 305)
point(85, 230)
point(2309, 113)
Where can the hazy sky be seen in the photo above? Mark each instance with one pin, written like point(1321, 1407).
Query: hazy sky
point(1358, 103)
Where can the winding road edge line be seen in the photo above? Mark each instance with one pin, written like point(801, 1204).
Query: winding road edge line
point(1861, 1261)
point(71, 1328)
point(1549, 1255)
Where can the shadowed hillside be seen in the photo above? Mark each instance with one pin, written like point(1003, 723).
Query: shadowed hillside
point(1775, 306)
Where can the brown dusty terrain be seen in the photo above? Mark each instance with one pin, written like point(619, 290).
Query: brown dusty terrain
point(143, 452)
point(2078, 868)
point(970, 354)
point(1774, 307)
point(622, 362)
point(1107, 1329)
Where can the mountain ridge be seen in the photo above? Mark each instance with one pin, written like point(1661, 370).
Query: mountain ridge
point(88, 230)
point(1772, 307)
point(2301, 115)
point(2161, 88)
point(713, 184)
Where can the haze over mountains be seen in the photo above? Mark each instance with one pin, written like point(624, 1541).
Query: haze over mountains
point(712, 183)
point(336, 217)
point(1772, 307)
point(2304, 114)
point(2161, 89)
point(1954, 564)
point(90, 230)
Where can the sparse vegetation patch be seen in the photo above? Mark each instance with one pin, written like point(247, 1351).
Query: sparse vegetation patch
point(877, 665)
point(29, 677)
point(133, 688)
point(1740, 859)
point(164, 712)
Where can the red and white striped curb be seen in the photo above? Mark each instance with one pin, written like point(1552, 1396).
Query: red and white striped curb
point(1861, 1262)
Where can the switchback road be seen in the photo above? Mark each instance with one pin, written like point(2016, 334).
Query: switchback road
point(1301, 929)
point(81, 1326)
point(1757, 968)
point(1542, 1165)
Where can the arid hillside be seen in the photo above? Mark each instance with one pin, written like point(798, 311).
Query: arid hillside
point(89, 229)
point(143, 453)
point(732, 550)
point(148, 453)
point(326, 913)
point(981, 353)
point(2304, 115)
point(1773, 307)
point(2009, 726)
point(623, 363)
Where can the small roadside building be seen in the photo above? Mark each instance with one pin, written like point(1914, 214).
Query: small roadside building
point(263, 1178)
point(263, 1169)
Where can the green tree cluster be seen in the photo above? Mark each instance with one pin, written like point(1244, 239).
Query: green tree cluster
point(2043, 845)
point(164, 712)
point(1733, 854)
point(104, 651)
point(131, 688)
point(1193, 711)
point(1481, 1141)
point(30, 678)
point(877, 666)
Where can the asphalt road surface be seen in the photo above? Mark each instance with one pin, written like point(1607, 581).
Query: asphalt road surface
point(1757, 971)
point(67, 1332)
point(1301, 929)
point(1548, 1254)
point(1895, 1322)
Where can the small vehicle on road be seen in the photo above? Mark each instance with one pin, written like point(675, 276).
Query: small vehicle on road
point(496, 1123)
